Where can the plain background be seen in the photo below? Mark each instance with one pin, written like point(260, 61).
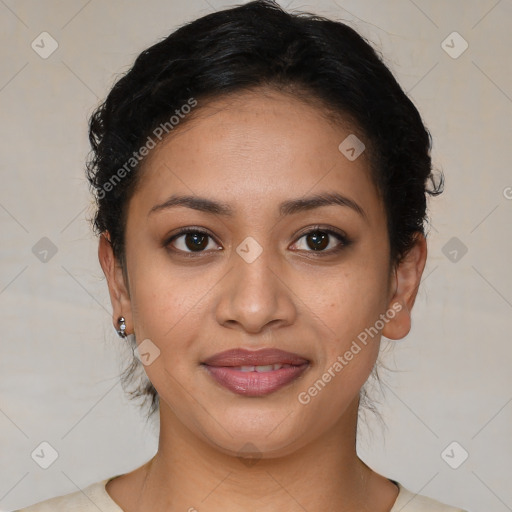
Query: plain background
point(61, 359)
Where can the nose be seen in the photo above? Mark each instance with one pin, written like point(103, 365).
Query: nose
point(255, 296)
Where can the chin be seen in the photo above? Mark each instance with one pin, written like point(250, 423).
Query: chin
point(268, 433)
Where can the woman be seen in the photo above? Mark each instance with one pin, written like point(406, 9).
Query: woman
point(261, 183)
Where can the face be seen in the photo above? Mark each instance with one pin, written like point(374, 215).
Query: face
point(261, 264)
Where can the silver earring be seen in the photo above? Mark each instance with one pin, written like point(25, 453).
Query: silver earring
point(121, 332)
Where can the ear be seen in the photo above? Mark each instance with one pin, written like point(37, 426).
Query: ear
point(117, 287)
point(407, 277)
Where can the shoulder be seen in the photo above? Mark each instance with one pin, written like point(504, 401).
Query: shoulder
point(90, 499)
point(408, 501)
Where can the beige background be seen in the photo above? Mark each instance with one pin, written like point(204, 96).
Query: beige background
point(60, 356)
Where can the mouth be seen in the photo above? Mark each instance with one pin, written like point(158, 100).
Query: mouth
point(256, 372)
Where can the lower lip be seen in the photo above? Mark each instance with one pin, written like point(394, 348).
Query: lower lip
point(255, 383)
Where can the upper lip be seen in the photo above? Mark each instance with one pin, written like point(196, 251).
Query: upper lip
point(243, 357)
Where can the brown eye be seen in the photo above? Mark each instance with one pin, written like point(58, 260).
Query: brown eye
point(322, 241)
point(317, 240)
point(191, 241)
point(196, 241)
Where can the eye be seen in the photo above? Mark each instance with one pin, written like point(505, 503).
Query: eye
point(190, 240)
point(321, 241)
point(317, 240)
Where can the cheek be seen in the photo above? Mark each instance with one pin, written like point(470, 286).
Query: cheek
point(165, 299)
point(345, 300)
point(351, 306)
point(167, 309)
point(348, 304)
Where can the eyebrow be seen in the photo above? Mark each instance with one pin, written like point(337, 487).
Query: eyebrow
point(288, 207)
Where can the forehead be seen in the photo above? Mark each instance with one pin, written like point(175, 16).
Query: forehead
point(252, 150)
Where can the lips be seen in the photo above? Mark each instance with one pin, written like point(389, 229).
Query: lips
point(263, 357)
point(255, 373)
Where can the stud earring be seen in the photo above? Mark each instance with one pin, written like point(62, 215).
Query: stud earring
point(121, 332)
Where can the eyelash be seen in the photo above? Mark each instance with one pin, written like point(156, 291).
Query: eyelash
point(340, 236)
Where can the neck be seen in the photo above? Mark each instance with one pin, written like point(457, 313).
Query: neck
point(190, 474)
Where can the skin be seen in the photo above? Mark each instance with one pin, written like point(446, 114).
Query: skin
point(254, 151)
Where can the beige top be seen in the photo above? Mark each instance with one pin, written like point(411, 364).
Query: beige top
point(95, 497)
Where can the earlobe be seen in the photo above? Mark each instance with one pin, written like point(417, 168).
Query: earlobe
point(408, 277)
point(400, 325)
point(118, 291)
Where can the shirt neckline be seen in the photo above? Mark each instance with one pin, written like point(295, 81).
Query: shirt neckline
point(107, 500)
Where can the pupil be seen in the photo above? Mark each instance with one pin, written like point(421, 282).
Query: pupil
point(198, 243)
point(319, 239)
